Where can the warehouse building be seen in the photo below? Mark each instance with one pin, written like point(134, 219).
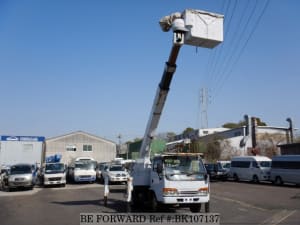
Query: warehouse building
point(80, 144)
point(21, 149)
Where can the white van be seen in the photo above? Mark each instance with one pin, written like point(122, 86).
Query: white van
point(285, 169)
point(253, 168)
point(83, 169)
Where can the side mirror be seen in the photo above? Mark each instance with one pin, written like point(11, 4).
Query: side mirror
point(205, 176)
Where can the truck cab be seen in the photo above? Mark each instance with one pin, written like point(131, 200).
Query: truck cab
point(54, 174)
point(177, 179)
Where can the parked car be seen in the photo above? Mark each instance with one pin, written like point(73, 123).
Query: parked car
point(225, 165)
point(215, 171)
point(115, 173)
point(18, 175)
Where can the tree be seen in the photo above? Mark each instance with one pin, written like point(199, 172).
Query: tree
point(213, 150)
point(166, 135)
point(188, 130)
point(241, 123)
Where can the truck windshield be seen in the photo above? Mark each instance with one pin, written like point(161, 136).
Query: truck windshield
point(183, 168)
point(116, 168)
point(54, 168)
point(84, 166)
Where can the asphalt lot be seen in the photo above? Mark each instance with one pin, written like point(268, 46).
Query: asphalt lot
point(237, 203)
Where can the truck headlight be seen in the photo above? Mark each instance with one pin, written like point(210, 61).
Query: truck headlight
point(170, 191)
point(203, 190)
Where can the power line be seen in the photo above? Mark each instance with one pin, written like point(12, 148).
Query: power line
point(231, 43)
point(244, 46)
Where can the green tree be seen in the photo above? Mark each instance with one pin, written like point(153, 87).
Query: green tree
point(241, 123)
point(187, 130)
point(213, 150)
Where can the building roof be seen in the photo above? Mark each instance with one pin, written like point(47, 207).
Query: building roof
point(82, 133)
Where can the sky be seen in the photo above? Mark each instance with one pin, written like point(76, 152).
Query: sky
point(94, 66)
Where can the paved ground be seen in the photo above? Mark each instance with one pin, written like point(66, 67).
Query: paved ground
point(238, 203)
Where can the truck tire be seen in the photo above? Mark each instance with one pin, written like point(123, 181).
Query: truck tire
point(153, 202)
point(207, 207)
point(195, 208)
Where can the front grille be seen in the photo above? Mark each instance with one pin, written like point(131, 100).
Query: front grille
point(85, 176)
point(19, 179)
point(54, 178)
point(188, 193)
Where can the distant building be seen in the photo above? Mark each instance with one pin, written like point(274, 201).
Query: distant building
point(79, 144)
point(290, 149)
point(238, 141)
point(21, 149)
point(157, 146)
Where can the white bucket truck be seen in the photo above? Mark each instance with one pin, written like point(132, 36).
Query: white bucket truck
point(178, 178)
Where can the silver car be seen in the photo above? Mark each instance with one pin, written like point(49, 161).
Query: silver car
point(19, 175)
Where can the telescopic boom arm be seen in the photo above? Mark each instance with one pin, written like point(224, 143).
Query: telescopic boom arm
point(161, 93)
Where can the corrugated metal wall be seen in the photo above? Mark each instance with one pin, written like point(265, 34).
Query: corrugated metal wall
point(102, 150)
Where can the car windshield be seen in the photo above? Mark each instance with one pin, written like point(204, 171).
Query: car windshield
point(264, 163)
point(55, 168)
point(84, 166)
point(183, 168)
point(20, 169)
point(116, 168)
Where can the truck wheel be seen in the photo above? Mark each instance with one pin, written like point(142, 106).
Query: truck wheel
point(207, 208)
point(153, 203)
point(195, 208)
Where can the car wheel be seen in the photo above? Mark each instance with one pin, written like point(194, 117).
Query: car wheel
point(235, 177)
point(278, 181)
point(255, 179)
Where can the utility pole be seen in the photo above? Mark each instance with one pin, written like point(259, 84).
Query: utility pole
point(203, 106)
point(119, 148)
point(291, 138)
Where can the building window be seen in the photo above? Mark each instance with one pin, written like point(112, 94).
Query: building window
point(87, 148)
point(28, 147)
point(71, 148)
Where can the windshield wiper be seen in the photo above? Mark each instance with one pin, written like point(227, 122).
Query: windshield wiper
point(195, 173)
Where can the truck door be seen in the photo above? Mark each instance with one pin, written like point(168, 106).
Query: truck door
point(156, 177)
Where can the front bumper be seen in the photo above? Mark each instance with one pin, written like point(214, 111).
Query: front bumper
point(54, 181)
point(85, 178)
point(15, 184)
point(185, 199)
point(117, 179)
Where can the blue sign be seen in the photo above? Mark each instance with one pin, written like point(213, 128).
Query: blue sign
point(22, 138)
